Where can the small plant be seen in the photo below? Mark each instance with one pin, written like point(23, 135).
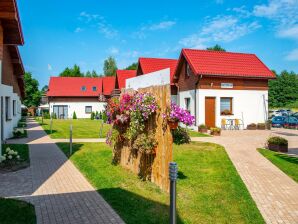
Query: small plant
point(268, 124)
point(226, 112)
point(19, 133)
point(277, 141)
point(180, 136)
point(203, 128)
point(252, 126)
point(46, 115)
point(54, 116)
point(10, 157)
point(74, 116)
point(261, 126)
point(178, 114)
point(100, 115)
point(92, 115)
point(215, 131)
point(104, 117)
point(145, 143)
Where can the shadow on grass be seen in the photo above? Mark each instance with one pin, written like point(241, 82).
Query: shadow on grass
point(181, 175)
point(290, 159)
point(134, 208)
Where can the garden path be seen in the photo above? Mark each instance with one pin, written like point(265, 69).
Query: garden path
point(60, 193)
point(275, 194)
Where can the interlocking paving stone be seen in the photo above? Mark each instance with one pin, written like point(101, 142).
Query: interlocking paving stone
point(60, 193)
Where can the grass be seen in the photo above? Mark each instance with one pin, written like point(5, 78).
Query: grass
point(197, 134)
point(209, 188)
point(82, 128)
point(16, 212)
point(22, 149)
point(288, 164)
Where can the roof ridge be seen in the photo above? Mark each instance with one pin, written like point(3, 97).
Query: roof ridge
point(219, 52)
point(158, 58)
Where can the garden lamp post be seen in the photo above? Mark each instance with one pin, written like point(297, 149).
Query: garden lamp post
point(173, 175)
point(70, 140)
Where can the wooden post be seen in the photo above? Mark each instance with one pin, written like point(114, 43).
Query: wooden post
point(70, 140)
point(51, 125)
point(101, 129)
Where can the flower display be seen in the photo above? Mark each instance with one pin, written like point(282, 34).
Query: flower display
point(9, 155)
point(178, 114)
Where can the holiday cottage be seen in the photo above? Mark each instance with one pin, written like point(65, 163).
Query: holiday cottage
point(216, 86)
point(11, 68)
point(81, 95)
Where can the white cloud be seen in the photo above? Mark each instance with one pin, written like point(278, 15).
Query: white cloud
point(291, 32)
point(107, 30)
point(113, 51)
point(219, 1)
point(162, 25)
point(221, 28)
point(50, 67)
point(78, 30)
point(293, 55)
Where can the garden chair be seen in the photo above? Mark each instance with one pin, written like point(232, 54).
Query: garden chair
point(238, 124)
point(224, 124)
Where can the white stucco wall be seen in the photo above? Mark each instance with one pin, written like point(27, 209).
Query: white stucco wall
point(9, 125)
point(79, 108)
point(248, 105)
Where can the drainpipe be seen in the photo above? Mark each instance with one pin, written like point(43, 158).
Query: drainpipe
point(196, 86)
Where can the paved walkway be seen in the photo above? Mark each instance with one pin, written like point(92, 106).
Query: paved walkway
point(60, 193)
point(275, 194)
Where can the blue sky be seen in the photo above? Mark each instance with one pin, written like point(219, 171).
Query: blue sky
point(61, 33)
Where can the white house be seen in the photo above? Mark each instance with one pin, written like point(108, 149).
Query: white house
point(215, 85)
point(81, 95)
point(11, 69)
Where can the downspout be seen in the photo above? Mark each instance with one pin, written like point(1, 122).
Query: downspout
point(196, 87)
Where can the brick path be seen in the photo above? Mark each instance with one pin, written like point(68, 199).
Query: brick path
point(275, 194)
point(60, 193)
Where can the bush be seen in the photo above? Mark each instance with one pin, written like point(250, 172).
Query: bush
point(180, 136)
point(104, 117)
point(100, 115)
point(92, 115)
point(19, 133)
point(215, 131)
point(261, 126)
point(46, 115)
point(277, 141)
point(54, 116)
point(74, 116)
point(202, 126)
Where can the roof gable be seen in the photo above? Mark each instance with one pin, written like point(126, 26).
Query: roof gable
point(227, 64)
point(108, 84)
point(122, 75)
point(148, 65)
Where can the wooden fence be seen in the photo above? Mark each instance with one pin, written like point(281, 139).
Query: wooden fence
point(156, 167)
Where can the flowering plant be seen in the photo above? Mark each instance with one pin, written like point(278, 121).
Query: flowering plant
point(9, 156)
point(178, 114)
point(112, 109)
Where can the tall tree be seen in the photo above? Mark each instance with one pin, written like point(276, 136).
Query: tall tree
point(216, 48)
point(110, 67)
point(32, 94)
point(283, 90)
point(44, 89)
point(133, 66)
point(75, 71)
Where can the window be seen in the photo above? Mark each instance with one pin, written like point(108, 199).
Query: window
point(94, 88)
point(83, 88)
point(14, 109)
point(7, 108)
point(187, 104)
point(88, 109)
point(226, 105)
point(187, 71)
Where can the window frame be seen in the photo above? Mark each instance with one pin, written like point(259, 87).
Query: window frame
point(8, 108)
point(94, 88)
point(84, 88)
point(187, 103)
point(86, 112)
point(14, 108)
point(231, 112)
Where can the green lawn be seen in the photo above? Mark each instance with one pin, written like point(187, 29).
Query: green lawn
point(288, 164)
point(209, 188)
point(197, 134)
point(16, 212)
point(22, 149)
point(82, 128)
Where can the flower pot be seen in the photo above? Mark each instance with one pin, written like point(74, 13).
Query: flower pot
point(278, 148)
point(215, 133)
point(203, 130)
point(173, 124)
point(261, 127)
point(249, 127)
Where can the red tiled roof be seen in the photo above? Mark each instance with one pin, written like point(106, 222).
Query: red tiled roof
point(154, 64)
point(205, 62)
point(122, 75)
point(108, 84)
point(72, 86)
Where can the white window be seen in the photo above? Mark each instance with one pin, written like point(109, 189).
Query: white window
point(14, 107)
point(226, 105)
point(187, 104)
point(7, 108)
point(88, 109)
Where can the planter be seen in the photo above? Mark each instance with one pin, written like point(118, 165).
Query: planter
point(173, 124)
point(215, 133)
point(278, 148)
point(261, 128)
point(203, 130)
point(251, 127)
point(268, 126)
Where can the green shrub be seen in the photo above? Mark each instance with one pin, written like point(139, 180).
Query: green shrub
point(100, 115)
point(180, 136)
point(54, 116)
point(74, 116)
point(202, 126)
point(104, 117)
point(277, 141)
point(46, 115)
point(92, 115)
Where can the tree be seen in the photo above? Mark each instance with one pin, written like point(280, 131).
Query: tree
point(216, 48)
point(75, 71)
point(44, 89)
point(32, 94)
point(283, 90)
point(110, 67)
point(133, 66)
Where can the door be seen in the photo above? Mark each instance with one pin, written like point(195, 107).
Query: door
point(210, 111)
